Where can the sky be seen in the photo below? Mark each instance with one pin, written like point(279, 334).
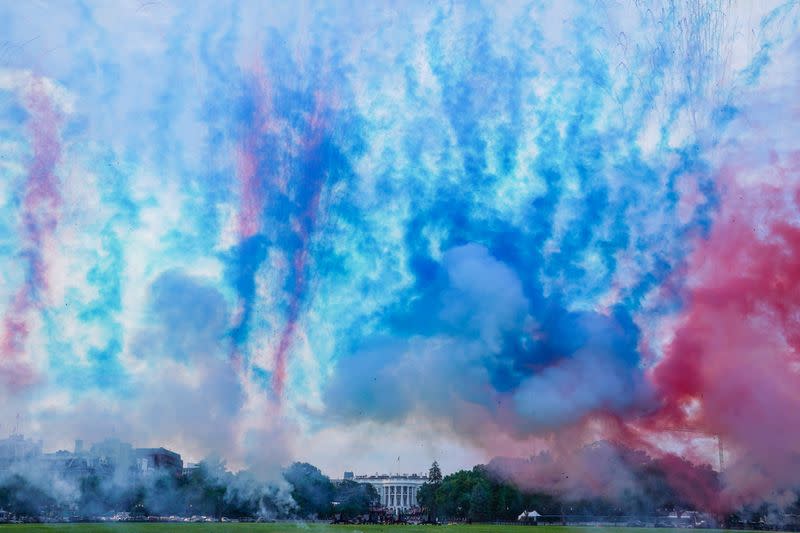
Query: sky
point(373, 235)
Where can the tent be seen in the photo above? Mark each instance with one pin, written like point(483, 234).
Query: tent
point(529, 515)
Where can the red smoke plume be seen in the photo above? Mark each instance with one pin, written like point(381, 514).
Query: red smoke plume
point(39, 218)
point(733, 367)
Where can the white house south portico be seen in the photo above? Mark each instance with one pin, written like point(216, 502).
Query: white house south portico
point(397, 491)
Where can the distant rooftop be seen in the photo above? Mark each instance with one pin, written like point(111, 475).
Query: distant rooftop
point(393, 476)
point(349, 475)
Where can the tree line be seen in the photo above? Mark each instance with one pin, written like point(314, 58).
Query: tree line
point(208, 490)
point(482, 495)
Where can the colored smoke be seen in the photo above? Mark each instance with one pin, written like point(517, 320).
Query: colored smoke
point(561, 232)
point(41, 202)
point(732, 367)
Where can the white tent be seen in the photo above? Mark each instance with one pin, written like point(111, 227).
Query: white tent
point(528, 515)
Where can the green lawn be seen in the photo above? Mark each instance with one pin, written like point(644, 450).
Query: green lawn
point(312, 528)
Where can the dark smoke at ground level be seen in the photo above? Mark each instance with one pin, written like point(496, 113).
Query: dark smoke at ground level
point(33, 490)
point(603, 483)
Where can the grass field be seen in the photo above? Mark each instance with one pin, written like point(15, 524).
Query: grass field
point(314, 528)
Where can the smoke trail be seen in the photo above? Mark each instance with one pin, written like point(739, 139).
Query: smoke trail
point(39, 218)
point(281, 173)
point(313, 179)
point(250, 170)
point(251, 173)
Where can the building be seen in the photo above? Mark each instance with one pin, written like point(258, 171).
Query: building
point(110, 457)
point(397, 492)
point(66, 464)
point(16, 448)
point(190, 468)
point(150, 460)
point(123, 457)
point(111, 453)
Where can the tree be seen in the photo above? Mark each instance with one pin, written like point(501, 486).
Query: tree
point(434, 474)
point(91, 498)
point(454, 492)
point(21, 497)
point(480, 502)
point(204, 489)
point(428, 493)
point(507, 501)
point(354, 498)
point(311, 489)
